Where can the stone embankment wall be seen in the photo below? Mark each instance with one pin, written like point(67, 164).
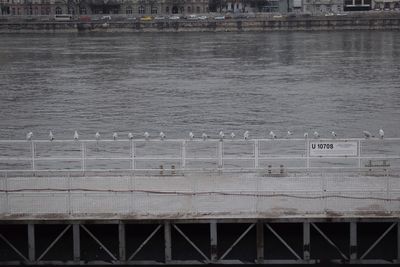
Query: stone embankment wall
point(211, 25)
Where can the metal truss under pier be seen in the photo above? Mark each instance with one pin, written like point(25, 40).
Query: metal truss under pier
point(199, 242)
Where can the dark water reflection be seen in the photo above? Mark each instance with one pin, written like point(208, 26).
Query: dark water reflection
point(342, 81)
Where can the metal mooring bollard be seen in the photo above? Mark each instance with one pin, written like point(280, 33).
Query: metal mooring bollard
point(161, 170)
point(269, 169)
point(281, 171)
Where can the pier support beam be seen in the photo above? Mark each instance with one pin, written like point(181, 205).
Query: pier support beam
point(121, 242)
point(353, 241)
point(76, 242)
point(213, 241)
point(167, 240)
point(31, 242)
point(260, 242)
point(306, 241)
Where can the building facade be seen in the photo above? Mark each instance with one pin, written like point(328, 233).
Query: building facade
point(90, 7)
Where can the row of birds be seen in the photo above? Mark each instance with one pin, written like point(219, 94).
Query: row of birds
point(204, 136)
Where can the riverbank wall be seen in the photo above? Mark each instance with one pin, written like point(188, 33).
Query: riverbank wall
point(210, 25)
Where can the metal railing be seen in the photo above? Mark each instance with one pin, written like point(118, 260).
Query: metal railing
point(179, 155)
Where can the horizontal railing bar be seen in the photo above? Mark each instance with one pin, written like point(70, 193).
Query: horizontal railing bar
point(200, 140)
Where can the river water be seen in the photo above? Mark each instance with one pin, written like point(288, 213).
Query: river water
point(345, 81)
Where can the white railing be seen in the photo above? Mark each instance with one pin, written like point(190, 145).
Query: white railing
point(178, 155)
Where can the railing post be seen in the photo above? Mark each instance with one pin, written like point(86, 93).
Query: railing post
point(183, 155)
point(31, 242)
point(256, 153)
point(306, 240)
point(308, 154)
point(359, 155)
point(33, 154)
point(132, 154)
point(220, 155)
point(83, 147)
point(353, 240)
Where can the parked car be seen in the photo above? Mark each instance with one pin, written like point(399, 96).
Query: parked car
point(146, 18)
point(159, 18)
point(203, 17)
point(106, 18)
point(174, 17)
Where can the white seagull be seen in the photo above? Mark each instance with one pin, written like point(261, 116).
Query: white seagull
point(76, 136)
point(162, 136)
point(191, 136)
point(289, 133)
point(333, 134)
point(146, 135)
point(232, 135)
point(204, 136)
point(51, 136)
point(272, 134)
point(115, 136)
point(367, 134)
point(305, 135)
point(316, 134)
point(246, 135)
point(221, 135)
point(130, 136)
point(29, 136)
point(97, 136)
point(381, 133)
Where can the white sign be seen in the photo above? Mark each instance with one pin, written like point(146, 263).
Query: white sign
point(332, 148)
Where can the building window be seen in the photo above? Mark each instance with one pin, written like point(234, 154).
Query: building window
point(129, 10)
point(153, 10)
point(189, 9)
point(198, 9)
point(36, 10)
point(58, 10)
point(71, 11)
point(82, 10)
point(167, 10)
point(141, 10)
point(42, 11)
point(47, 10)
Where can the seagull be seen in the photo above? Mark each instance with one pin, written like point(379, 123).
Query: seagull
point(246, 135)
point(367, 134)
point(130, 136)
point(97, 136)
point(289, 133)
point(381, 133)
point(272, 134)
point(204, 136)
point(232, 135)
point(306, 135)
point(29, 136)
point(333, 134)
point(191, 135)
point(146, 135)
point(162, 136)
point(221, 135)
point(51, 136)
point(316, 134)
point(76, 136)
point(115, 136)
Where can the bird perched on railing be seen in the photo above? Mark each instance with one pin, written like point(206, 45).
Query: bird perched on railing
point(204, 136)
point(289, 134)
point(272, 135)
point(76, 136)
point(29, 136)
point(97, 135)
point(191, 136)
point(367, 134)
point(333, 134)
point(146, 135)
point(221, 135)
point(381, 133)
point(115, 136)
point(51, 136)
point(305, 135)
point(130, 136)
point(316, 134)
point(162, 136)
point(232, 135)
point(246, 135)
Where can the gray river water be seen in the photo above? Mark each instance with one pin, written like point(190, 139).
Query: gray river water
point(202, 82)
